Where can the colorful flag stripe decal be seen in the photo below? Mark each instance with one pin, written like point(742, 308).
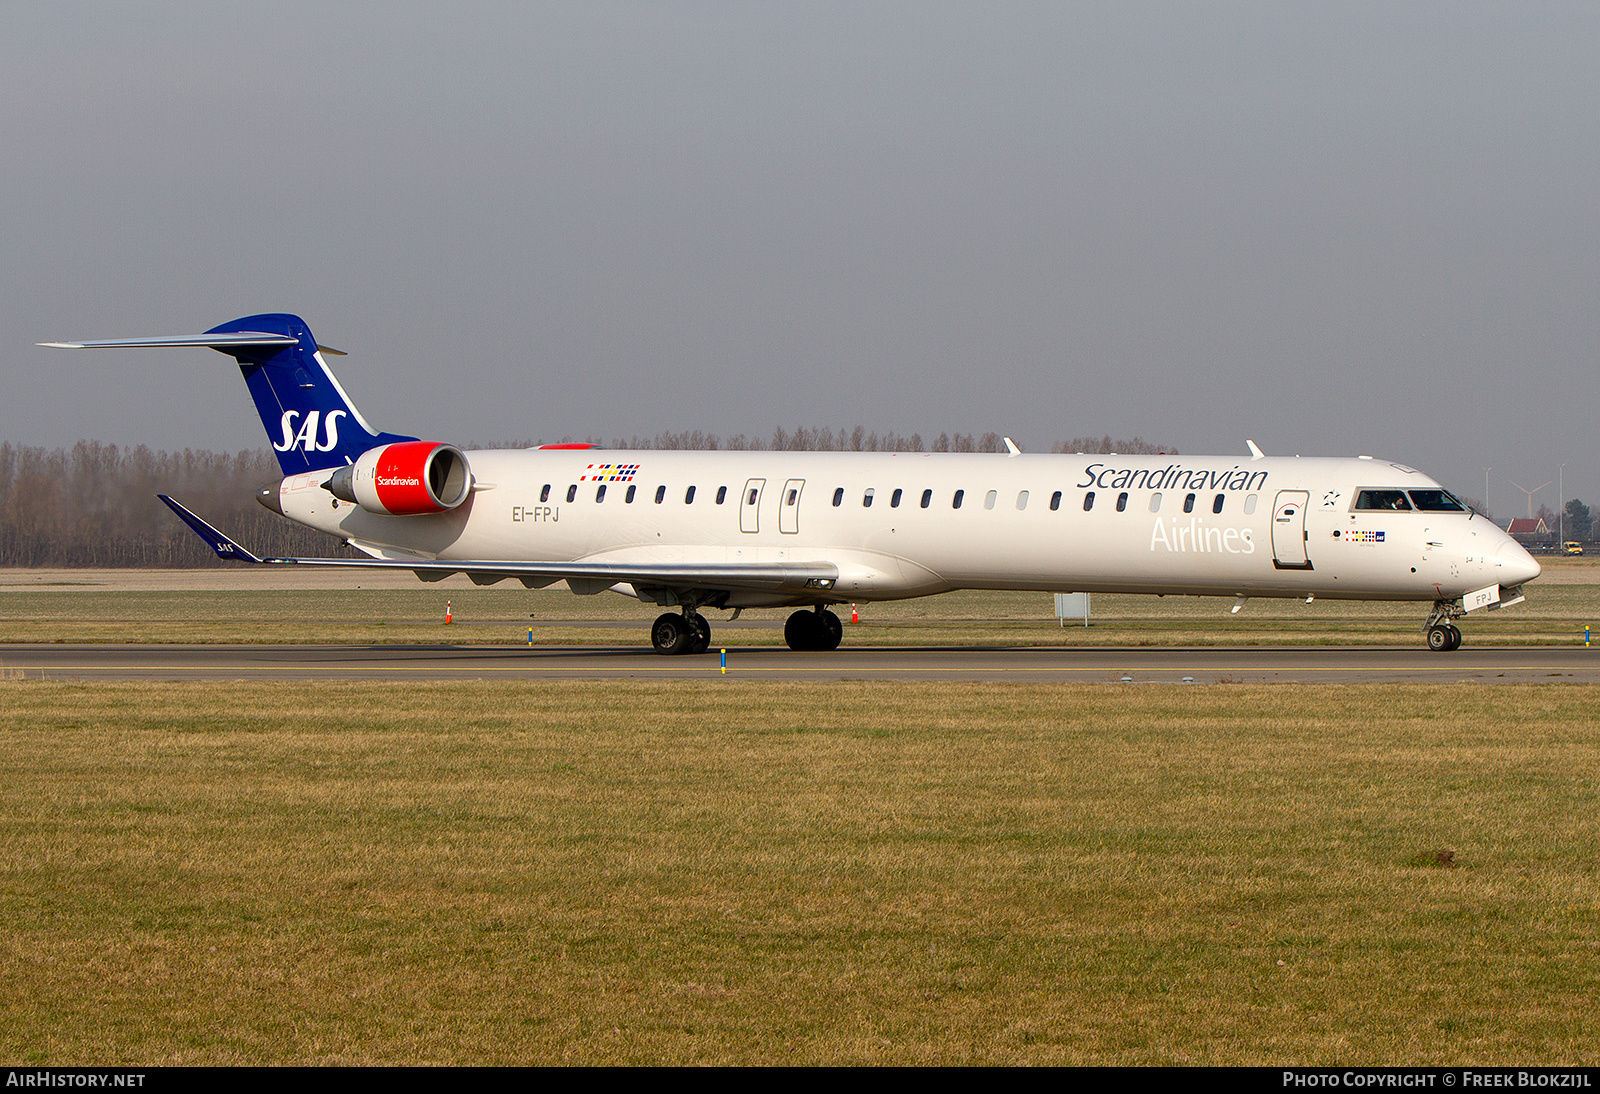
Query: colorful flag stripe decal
point(610, 472)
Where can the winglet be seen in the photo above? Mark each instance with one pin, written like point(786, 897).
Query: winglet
point(218, 542)
point(1255, 453)
point(1011, 447)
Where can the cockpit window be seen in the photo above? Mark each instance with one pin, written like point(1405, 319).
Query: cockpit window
point(1437, 501)
point(1382, 499)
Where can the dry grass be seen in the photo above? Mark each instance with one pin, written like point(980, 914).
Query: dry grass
point(734, 872)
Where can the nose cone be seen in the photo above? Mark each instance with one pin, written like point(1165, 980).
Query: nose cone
point(268, 496)
point(1516, 564)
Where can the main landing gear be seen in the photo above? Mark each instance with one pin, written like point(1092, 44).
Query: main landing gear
point(1443, 635)
point(815, 630)
point(675, 633)
point(686, 633)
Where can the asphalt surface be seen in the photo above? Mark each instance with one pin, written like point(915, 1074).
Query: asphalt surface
point(1093, 665)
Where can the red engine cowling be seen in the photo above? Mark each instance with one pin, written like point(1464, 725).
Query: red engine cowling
point(405, 479)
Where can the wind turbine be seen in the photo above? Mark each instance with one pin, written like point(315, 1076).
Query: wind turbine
point(1530, 493)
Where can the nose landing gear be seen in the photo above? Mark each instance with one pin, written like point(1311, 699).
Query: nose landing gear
point(1443, 635)
point(1444, 638)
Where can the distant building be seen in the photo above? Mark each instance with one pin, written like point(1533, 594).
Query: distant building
point(1529, 529)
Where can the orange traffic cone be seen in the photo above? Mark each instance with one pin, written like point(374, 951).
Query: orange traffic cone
point(855, 616)
point(447, 616)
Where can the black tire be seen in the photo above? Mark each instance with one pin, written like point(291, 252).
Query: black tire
point(1439, 639)
point(670, 634)
point(800, 631)
point(830, 630)
point(700, 640)
point(1455, 636)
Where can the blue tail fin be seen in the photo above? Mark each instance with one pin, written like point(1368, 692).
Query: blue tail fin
point(310, 420)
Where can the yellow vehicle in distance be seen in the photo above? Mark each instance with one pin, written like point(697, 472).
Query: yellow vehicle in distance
point(1572, 547)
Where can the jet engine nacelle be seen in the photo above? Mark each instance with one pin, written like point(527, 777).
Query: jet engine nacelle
point(405, 479)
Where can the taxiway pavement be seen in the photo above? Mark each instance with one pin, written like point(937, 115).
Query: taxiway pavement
point(1016, 664)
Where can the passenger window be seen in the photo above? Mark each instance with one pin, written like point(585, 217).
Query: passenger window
point(572, 492)
point(1088, 501)
point(751, 500)
point(1155, 502)
point(544, 495)
point(628, 498)
point(722, 494)
point(989, 499)
point(927, 498)
point(688, 496)
point(1122, 503)
point(794, 496)
point(955, 502)
point(894, 499)
point(866, 499)
point(661, 494)
point(600, 493)
point(1055, 501)
point(838, 497)
point(1022, 499)
point(1382, 499)
point(1216, 504)
point(1250, 504)
point(1188, 503)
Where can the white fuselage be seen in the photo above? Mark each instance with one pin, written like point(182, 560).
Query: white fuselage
point(1168, 524)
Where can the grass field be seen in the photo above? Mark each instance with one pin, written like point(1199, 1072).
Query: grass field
point(826, 873)
point(1554, 613)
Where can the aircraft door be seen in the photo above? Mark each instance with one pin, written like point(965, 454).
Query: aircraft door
point(1289, 530)
point(789, 507)
point(750, 506)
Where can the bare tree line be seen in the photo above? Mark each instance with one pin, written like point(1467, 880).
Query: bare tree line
point(858, 439)
point(95, 504)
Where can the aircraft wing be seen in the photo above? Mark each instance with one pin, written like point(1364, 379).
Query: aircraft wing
point(583, 576)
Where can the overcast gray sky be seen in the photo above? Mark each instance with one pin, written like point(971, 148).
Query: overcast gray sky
point(1337, 229)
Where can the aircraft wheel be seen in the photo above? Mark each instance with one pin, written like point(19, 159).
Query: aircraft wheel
point(670, 634)
point(700, 640)
point(800, 631)
point(1455, 636)
point(830, 631)
point(1439, 639)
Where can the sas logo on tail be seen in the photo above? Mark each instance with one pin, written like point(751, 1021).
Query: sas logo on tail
point(306, 438)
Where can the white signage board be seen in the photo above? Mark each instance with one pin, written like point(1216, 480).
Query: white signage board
point(1072, 606)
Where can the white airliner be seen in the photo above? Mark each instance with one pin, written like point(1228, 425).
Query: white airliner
point(730, 530)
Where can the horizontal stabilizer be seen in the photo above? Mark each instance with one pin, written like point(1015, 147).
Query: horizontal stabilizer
point(222, 342)
point(311, 421)
point(215, 341)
